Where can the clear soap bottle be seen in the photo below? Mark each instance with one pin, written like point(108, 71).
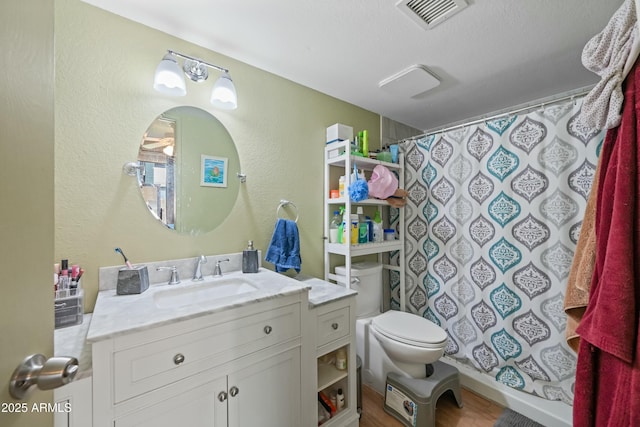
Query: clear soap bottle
point(250, 259)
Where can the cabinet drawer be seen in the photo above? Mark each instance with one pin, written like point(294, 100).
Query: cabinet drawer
point(140, 369)
point(332, 325)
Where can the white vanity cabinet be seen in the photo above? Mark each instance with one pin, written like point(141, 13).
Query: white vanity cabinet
point(74, 403)
point(265, 393)
point(335, 330)
point(240, 367)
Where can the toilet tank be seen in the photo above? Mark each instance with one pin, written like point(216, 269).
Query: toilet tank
point(369, 286)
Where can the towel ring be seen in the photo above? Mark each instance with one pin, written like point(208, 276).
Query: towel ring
point(284, 203)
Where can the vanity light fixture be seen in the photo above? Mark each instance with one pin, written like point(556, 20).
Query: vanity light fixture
point(170, 81)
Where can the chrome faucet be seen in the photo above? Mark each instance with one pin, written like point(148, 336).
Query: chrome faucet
point(197, 275)
point(217, 271)
point(175, 278)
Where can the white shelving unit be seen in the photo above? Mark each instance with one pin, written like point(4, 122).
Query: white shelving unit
point(344, 162)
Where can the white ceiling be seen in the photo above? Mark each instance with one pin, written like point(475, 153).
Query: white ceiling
point(492, 55)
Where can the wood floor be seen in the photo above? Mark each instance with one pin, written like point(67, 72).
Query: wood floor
point(477, 412)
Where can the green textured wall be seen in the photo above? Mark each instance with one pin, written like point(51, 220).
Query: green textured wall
point(104, 101)
point(26, 191)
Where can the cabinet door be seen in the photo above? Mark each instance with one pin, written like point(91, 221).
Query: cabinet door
point(268, 393)
point(199, 407)
point(74, 402)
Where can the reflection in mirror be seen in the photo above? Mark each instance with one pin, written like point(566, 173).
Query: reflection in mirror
point(176, 179)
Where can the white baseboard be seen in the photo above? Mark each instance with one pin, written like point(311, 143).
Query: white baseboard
point(546, 412)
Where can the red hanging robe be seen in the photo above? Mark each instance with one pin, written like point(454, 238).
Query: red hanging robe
point(607, 388)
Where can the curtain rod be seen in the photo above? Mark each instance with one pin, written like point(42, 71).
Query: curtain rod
point(537, 104)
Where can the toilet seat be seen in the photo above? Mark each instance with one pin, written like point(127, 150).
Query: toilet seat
point(410, 329)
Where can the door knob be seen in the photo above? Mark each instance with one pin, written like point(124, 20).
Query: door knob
point(233, 391)
point(222, 396)
point(45, 373)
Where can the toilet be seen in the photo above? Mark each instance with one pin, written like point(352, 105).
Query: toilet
point(393, 341)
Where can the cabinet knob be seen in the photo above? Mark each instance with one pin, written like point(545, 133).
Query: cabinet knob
point(222, 396)
point(178, 358)
point(268, 329)
point(334, 326)
point(233, 391)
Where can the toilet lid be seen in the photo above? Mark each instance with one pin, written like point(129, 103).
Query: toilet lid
point(409, 328)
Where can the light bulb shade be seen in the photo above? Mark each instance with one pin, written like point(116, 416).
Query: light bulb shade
point(224, 93)
point(169, 78)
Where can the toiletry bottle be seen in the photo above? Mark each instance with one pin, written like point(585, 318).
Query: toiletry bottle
point(341, 359)
point(394, 152)
point(354, 229)
point(378, 231)
point(365, 143)
point(340, 399)
point(363, 232)
point(345, 228)
point(250, 259)
point(334, 226)
point(341, 185)
point(342, 232)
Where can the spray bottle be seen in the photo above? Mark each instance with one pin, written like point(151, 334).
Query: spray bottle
point(341, 227)
point(378, 230)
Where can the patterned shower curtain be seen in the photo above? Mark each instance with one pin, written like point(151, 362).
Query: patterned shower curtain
point(491, 227)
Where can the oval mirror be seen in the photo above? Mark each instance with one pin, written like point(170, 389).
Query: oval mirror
point(188, 170)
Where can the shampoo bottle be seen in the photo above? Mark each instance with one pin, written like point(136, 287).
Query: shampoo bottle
point(250, 259)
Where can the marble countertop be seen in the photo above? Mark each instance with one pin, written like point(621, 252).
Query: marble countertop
point(72, 341)
point(118, 314)
point(115, 315)
point(323, 292)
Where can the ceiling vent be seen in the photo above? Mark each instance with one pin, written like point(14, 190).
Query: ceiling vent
point(429, 13)
point(410, 82)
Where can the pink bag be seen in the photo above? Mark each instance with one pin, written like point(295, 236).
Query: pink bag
point(383, 183)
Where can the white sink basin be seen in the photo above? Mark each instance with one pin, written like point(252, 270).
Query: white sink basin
point(210, 290)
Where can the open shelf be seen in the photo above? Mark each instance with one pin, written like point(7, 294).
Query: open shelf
point(344, 200)
point(361, 162)
point(328, 375)
point(364, 248)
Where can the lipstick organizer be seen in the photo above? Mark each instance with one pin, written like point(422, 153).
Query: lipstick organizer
point(68, 307)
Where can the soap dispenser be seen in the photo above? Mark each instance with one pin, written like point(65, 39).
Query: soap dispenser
point(250, 259)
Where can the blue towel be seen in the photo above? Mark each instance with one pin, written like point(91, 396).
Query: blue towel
point(284, 249)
